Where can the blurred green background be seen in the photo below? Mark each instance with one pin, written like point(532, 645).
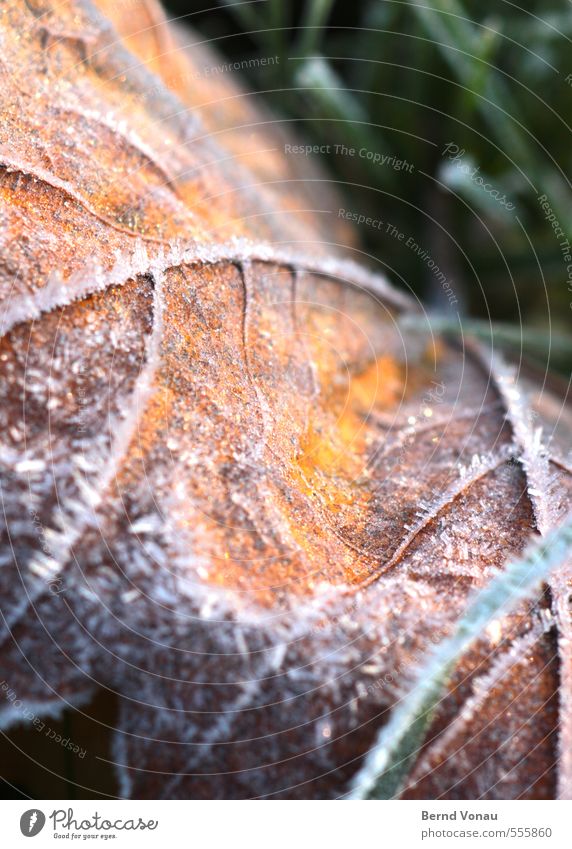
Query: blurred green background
point(474, 99)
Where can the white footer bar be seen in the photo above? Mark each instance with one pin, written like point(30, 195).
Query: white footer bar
point(281, 825)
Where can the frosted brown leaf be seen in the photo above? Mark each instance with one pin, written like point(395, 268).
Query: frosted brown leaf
point(235, 494)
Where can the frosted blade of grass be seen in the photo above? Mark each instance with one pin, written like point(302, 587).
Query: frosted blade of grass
point(458, 41)
point(318, 76)
point(536, 29)
point(330, 98)
point(246, 13)
point(487, 45)
point(459, 180)
point(388, 762)
point(266, 22)
point(278, 21)
point(534, 342)
point(316, 13)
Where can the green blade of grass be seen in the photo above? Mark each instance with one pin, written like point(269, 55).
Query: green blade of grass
point(457, 177)
point(445, 23)
point(278, 21)
point(456, 38)
point(387, 764)
point(329, 99)
point(537, 343)
point(245, 12)
point(316, 13)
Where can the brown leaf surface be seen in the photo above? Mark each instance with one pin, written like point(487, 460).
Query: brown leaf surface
point(234, 493)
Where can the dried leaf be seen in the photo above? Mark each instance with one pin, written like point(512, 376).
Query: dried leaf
point(234, 493)
point(389, 761)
